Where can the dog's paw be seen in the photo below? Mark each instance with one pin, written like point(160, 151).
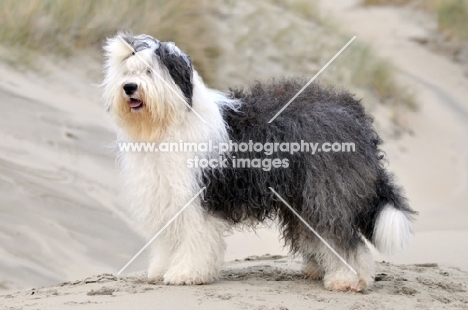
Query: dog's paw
point(178, 277)
point(156, 275)
point(344, 284)
point(155, 278)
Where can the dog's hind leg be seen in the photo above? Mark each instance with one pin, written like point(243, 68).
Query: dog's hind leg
point(312, 269)
point(307, 246)
point(339, 277)
point(365, 266)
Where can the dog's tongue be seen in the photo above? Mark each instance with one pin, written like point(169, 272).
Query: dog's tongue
point(135, 103)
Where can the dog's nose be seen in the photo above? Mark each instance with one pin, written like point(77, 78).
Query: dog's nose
point(130, 88)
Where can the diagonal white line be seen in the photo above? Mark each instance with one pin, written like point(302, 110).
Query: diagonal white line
point(313, 230)
point(160, 231)
point(311, 80)
point(164, 81)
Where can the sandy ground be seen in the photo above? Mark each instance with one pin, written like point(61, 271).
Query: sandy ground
point(268, 282)
point(63, 216)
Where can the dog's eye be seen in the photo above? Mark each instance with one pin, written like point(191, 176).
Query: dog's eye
point(148, 71)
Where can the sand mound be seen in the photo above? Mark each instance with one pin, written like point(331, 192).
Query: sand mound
point(267, 282)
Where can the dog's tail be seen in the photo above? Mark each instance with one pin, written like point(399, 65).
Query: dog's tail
point(393, 218)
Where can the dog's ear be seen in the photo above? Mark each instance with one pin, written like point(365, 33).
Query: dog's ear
point(179, 66)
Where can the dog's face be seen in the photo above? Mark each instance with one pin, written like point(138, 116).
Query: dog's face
point(148, 84)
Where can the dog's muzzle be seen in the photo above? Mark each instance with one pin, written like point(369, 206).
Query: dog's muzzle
point(130, 89)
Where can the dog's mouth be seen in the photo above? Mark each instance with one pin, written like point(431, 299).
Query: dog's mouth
point(135, 104)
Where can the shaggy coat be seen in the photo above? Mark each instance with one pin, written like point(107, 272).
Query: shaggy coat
point(340, 194)
point(153, 95)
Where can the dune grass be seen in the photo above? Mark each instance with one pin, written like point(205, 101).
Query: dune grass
point(377, 75)
point(451, 15)
point(64, 26)
point(360, 69)
point(365, 69)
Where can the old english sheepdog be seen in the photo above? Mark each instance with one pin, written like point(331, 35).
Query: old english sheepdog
point(153, 95)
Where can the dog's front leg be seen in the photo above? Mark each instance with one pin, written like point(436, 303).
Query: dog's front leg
point(200, 252)
point(161, 251)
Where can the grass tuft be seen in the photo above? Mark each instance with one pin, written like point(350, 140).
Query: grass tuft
point(378, 76)
point(452, 17)
point(374, 78)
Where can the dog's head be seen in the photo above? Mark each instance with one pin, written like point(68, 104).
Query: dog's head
point(148, 84)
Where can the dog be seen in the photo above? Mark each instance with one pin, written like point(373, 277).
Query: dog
point(153, 94)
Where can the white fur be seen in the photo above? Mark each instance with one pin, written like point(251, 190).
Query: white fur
point(191, 249)
point(123, 67)
point(337, 276)
point(392, 231)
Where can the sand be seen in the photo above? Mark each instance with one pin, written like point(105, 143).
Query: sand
point(60, 199)
point(267, 282)
point(63, 214)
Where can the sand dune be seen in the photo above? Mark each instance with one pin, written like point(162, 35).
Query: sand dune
point(60, 196)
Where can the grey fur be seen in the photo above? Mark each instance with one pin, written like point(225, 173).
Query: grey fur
point(339, 194)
